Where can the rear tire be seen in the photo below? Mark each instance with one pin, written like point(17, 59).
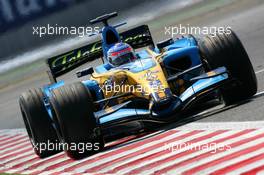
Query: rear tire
point(74, 108)
point(227, 50)
point(38, 123)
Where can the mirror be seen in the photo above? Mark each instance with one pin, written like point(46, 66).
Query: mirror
point(84, 72)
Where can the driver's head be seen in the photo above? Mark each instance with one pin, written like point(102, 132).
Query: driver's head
point(121, 53)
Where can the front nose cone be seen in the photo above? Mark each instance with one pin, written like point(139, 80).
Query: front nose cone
point(159, 97)
point(164, 108)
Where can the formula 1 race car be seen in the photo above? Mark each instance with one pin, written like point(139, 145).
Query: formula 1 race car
point(137, 82)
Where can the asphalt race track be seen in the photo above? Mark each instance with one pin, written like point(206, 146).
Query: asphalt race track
point(238, 127)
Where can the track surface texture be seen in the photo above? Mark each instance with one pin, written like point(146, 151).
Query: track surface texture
point(205, 149)
point(219, 141)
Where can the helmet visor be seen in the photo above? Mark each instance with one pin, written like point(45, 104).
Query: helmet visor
point(123, 59)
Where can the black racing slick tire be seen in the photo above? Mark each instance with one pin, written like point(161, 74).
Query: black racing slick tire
point(38, 123)
point(73, 106)
point(227, 50)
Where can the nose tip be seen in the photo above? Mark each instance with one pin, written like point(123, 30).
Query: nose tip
point(164, 108)
point(166, 96)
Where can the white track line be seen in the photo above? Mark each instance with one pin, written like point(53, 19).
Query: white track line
point(188, 147)
point(260, 172)
point(4, 138)
point(28, 165)
point(171, 136)
point(12, 164)
point(184, 168)
point(41, 168)
point(165, 147)
point(233, 161)
point(16, 151)
point(259, 71)
point(237, 159)
point(259, 93)
point(7, 139)
point(17, 157)
point(14, 147)
point(18, 141)
point(46, 165)
point(108, 159)
point(248, 167)
point(13, 131)
point(223, 125)
point(216, 126)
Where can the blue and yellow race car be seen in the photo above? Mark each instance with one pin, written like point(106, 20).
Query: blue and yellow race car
point(137, 82)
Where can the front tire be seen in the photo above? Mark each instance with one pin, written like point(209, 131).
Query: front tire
point(38, 123)
point(74, 108)
point(227, 50)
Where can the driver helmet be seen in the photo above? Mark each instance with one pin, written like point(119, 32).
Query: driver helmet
point(121, 53)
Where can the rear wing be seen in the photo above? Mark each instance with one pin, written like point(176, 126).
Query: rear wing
point(137, 37)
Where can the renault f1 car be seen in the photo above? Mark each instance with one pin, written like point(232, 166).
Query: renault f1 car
point(163, 82)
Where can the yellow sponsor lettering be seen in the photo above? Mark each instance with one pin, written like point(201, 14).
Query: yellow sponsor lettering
point(61, 60)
